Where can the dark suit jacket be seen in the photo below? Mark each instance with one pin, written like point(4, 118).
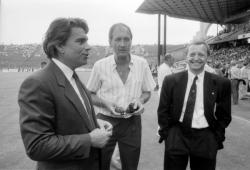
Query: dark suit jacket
point(217, 103)
point(53, 123)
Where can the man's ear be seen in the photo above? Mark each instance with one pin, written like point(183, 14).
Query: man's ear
point(60, 49)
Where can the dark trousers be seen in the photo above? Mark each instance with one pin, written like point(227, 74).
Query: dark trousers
point(199, 146)
point(248, 86)
point(127, 132)
point(93, 162)
point(235, 90)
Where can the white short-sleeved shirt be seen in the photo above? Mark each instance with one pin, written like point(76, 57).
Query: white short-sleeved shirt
point(163, 71)
point(107, 84)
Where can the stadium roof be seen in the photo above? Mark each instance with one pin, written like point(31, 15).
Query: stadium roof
point(211, 11)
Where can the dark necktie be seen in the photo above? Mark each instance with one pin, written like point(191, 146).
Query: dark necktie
point(189, 111)
point(84, 97)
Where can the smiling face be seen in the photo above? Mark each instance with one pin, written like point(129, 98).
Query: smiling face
point(197, 58)
point(76, 49)
point(121, 42)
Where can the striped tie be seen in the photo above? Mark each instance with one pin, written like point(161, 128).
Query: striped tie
point(189, 111)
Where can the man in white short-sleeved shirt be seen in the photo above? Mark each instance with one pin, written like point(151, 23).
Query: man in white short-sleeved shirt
point(115, 82)
point(106, 82)
point(165, 69)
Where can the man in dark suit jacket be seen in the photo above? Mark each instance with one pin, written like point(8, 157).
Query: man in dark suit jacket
point(193, 125)
point(57, 120)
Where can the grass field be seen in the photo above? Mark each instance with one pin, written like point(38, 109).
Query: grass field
point(235, 155)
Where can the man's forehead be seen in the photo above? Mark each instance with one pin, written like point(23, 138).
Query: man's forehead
point(199, 47)
point(77, 31)
point(121, 29)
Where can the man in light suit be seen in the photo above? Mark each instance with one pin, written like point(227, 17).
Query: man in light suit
point(57, 120)
point(193, 112)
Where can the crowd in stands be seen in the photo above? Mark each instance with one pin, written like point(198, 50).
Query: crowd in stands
point(223, 57)
point(233, 63)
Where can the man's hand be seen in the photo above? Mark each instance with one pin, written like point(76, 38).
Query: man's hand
point(105, 125)
point(137, 106)
point(138, 112)
point(99, 137)
point(115, 110)
point(111, 108)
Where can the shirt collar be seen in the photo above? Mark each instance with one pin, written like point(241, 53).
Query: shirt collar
point(131, 63)
point(65, 69)
point(192, 75)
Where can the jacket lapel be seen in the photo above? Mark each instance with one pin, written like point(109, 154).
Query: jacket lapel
point(71, 95)
point(92, 114)
point(180, 88)
point(209, 94)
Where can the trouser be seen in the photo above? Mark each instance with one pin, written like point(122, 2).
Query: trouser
point(235, 90)
point(248, 86)
point(127, 133)
point(116, 160)
point(199, 146)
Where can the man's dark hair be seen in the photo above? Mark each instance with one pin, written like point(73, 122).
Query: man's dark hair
point(59, 32)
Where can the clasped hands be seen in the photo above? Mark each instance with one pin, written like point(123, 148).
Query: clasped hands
point(100, 136)
point(134, 108)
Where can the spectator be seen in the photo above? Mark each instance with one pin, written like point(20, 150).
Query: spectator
point(165, 69)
